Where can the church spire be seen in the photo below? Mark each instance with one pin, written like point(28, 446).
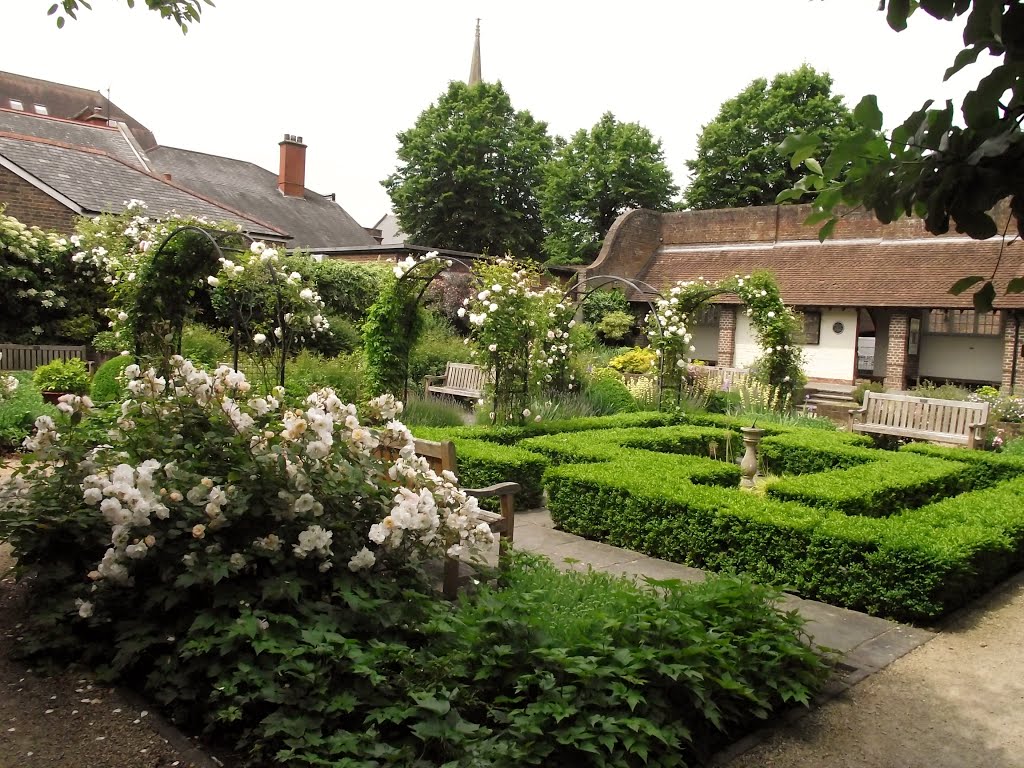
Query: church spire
point(475, 77)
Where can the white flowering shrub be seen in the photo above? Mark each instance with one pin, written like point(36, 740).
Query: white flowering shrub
point(8, 385)
point(520, 330)
point(775, 329)
point(32, 295)
point(204, 504)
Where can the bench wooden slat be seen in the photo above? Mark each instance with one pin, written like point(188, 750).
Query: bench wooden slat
point(459, 380)
point(923, 418)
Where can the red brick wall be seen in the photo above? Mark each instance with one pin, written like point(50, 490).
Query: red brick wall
point(1013, 341)
point(33, 207)
point(628, 246)
point(896, 354)
point(726, 336)
point(727, 225)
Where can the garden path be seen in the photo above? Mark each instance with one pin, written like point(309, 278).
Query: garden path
point(953, 702)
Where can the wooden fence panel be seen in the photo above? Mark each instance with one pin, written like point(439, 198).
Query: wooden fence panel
point(28, 357)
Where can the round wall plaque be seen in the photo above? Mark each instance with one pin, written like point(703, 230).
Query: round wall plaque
point(837, 327)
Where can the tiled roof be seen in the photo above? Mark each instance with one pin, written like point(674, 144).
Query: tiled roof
point(313, 221)
point(914, 272)
point(68, 102)
point(99, 183)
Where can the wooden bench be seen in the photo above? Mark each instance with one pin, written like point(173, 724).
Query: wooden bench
point(459, 380)
point(921, 418)
point(441, 456)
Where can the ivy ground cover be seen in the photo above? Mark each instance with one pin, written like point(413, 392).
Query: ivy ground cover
point(910, 534)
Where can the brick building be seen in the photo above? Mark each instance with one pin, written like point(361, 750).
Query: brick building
point(67, 151)
point(875, 298)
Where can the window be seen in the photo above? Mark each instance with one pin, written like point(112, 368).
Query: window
point(41, 109)
point(964, 322)
point(15, 104)
point(812, 327)
point(707, 315)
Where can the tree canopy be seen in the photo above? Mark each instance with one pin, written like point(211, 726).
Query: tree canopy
point(738, 161)
point(928, 166)
point(593, 179)
point(182, 12)
point(468, 174)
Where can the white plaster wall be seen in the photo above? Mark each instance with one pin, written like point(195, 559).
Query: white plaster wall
point(705, 342)
point(974, 358)
point(833, 358)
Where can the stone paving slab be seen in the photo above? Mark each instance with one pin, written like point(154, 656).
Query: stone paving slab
point(865, 644)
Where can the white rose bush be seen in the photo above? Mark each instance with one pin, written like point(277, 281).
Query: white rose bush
point(206, 511)
point(520, 330)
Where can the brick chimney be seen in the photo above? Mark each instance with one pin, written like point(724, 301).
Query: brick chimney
point(291, 178)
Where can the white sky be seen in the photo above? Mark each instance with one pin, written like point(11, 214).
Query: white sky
point(348, 76)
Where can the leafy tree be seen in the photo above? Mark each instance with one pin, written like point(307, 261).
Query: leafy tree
point(738, 162)
point(468, 174)
point(928, 166)
point(182, 12)
point(593, 179)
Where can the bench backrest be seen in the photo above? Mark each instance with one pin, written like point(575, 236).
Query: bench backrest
point(924, 414)
point(464, 376)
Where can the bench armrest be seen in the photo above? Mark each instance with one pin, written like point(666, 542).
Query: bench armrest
point(428, 380)
point(501, 489)
point(856, 415)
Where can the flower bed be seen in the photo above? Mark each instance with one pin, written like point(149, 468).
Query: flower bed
point(259, 571)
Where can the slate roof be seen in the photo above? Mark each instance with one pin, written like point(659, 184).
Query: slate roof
point(68, 102)
point(106, 139)
point(313, 221)
point(100, 183)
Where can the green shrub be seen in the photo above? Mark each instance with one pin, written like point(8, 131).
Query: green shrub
point(803, 452)
point(866, 386)
point(607, 394)
point(341, 337)
point(636, 360)
point(983, 467)
point(19, 411)
point(106, 383)
point(615, 326)
point(899, 481)
point(63, 376)
point(204, 346)
point(309, 372)
point(437, 345)
point(602, 302)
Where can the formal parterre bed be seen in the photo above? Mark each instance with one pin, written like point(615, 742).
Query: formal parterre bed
point(910, 534)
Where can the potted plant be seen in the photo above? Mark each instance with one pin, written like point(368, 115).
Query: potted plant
point(62, 377)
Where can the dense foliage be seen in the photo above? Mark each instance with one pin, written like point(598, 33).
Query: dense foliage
point(738, 162)
point(468, 174)
point(261, 575)
point(593, 179)
point(947, 169)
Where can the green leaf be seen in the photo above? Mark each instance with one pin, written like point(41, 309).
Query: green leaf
point(983, 299)
point(964, 283)
point(868, 114)
point(965, 57)
point(1016, 285)
point(897, 13)
point(826, 231)
point(813, 165)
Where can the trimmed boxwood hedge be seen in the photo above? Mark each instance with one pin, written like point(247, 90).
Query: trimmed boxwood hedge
point(984, 468)
point(896, 482)
point(804, 452)
point(608, 444)
point(916, 565)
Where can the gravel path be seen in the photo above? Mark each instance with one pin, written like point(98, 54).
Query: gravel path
point(955, 702)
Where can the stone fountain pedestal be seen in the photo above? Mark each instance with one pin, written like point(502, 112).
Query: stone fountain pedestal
point(748, 464)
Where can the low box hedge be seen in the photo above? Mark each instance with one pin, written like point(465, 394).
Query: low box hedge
point(896, 482)
point(803, 452)
point(608, 444)
point(911, 566)
point(984, 467)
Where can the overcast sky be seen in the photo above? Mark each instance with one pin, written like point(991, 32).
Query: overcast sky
point(348, 76)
